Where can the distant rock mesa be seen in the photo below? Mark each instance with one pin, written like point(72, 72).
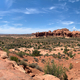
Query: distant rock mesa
point(59, 32)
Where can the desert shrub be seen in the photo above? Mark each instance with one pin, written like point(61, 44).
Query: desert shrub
point(23, 63)
point(46, 54)
point(25, 59)
point(55, 70)
point(61, 48)
point(54, 55)
point(36, 59)
point(59, 57)
point(38, 47)
point(78, 44)
point(66, 58)
point(59, 53)
point(74, 50)
point(21, 54)
point(52, 61)
point(36, 53)
point(39, 68)
point(14, 58)
point(70, 66)
point(17, 49)
point(65, 50)
point(70, 54)
point(33, 65)
point(43, 61)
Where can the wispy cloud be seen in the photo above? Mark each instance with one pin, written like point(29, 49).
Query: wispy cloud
point(17, 18)
point(52, 8)
point(32, 11)
point(6, 29)
point(5, 21)
point(3, 13)
point(17, 24)
point(73, 1)
point(25, 11)
point(9, 3)
point(67, 22)
point(0, 17)
point(50, 23)
point(77, 11)
point(75, 29)
point(59, 6)
point(62, 6)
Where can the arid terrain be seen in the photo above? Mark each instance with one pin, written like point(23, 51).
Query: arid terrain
point(30, 57)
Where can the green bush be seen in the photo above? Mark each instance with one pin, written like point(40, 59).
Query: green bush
point(33, 65)
point(39, 68)
point(23, 63)
point(65, 50)
point(78, 44)
point(36, 59)
point(55, 70)
point(36, 53)
point(61, 48)
point(43, 61)
point(52, 61)
point(70, 54)
point(20, 54)
point(14, 58)
point(66, 58)
point(70, 66)
point(25, 60)
point(47, 54)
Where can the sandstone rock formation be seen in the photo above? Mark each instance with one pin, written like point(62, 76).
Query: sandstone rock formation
point(9, 70)
point(59, 32)
point(46, 77)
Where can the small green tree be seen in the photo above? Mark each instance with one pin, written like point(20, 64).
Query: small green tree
point(36, 53)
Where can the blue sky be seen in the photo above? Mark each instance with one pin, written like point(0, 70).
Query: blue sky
point(28, 16)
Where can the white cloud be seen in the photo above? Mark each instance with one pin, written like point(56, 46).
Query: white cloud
point(9, 3)
point(18, 18)
point(67, 22)
point(1, 18)
point(25, 11)
point(7, 29)
point(3, 13)
point(77, 11)
point(73, 1)
point(52, 8)
point(62, 6)
point(75, 29)
point(17, 24)
point(50, 23)
point(4, 21)
point(32, 11)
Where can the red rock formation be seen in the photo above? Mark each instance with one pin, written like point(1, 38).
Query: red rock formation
point(59, 32)
point(9, 70)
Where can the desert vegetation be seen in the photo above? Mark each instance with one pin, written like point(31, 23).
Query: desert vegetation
point(61, 52)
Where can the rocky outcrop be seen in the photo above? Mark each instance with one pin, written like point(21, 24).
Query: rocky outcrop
point(9, 70)
point(3, 55)
point(59, 32)
point(46, 77)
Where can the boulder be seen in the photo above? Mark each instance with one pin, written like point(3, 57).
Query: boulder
point(3, 54)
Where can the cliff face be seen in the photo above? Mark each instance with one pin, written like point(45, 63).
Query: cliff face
point(59, 32)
